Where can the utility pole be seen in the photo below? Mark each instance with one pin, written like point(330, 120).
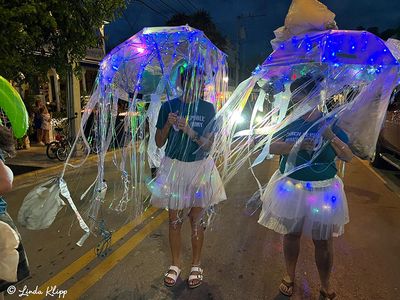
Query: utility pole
point(73, 103)
point(237, 60)
point(239, 37)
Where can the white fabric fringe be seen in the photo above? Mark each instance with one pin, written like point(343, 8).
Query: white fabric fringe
point(317, 209)
point(180, 185)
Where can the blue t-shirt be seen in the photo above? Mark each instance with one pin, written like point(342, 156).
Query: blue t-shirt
point(323, 166)
point(199, 114)
point(3, 206)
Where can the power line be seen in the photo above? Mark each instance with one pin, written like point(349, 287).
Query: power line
point(170, 7)
point(138, 16)
point(184, 6)
point(127, 20)
point(151, 8)
point(191, 3)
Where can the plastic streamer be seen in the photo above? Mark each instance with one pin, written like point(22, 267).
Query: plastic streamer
point(151, 69)
point(65, 192)
point(347, 78)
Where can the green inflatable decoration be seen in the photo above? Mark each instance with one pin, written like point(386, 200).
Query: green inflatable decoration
point(14, 108)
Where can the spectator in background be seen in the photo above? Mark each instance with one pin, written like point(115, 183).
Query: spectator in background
point(37, 120)
point(46, 125)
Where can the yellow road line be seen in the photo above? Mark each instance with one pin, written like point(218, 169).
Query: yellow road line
point(85, 259)
point(114, 258)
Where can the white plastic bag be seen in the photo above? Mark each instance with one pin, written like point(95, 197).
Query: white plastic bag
point(155, 154)
point(41, 205)
point(9, 256)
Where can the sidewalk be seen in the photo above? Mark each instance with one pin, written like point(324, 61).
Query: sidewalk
point(32, 166)
point(31, 159)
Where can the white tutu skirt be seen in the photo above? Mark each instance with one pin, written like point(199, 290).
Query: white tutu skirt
point(317, 209)
point(180, 185)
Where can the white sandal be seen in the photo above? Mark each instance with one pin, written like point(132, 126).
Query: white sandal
point(171, 275)
point(198, 277)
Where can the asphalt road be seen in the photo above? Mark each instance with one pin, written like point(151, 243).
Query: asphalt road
point(241, 259)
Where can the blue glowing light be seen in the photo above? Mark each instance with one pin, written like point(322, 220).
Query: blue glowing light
point(281, 187)
point(336, 46)
point(198, 195)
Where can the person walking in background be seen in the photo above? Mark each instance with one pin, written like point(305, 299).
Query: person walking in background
point(37, 120)
point(46, 125)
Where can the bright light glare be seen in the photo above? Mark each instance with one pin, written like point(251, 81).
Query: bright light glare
point(226, 79)
point(237, 117)
point(140, 49)
point(259, 119)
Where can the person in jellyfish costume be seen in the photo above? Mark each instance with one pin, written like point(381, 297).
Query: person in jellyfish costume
point(311, 200)
point(135, 79)
point(187, 177)
point(320, 98)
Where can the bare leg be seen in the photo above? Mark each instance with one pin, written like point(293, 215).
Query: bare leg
point(47, 136)
point(175, 225)
point(43, 138)
point(39, 135)
point(195, 215)
point(324, 261)
point(291, 250)
point(1, 296)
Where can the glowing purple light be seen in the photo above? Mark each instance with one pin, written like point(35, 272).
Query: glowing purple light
point(312, 199)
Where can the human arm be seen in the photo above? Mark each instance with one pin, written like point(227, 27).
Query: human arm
point(162, 133)
point(204, 141)
point(342, 150)
point(6, 178)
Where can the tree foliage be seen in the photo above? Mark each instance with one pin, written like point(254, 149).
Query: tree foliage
point(385, 34)
point(36, 35)
point(200, 20)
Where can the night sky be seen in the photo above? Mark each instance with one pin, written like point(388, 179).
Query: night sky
point(268, 15)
